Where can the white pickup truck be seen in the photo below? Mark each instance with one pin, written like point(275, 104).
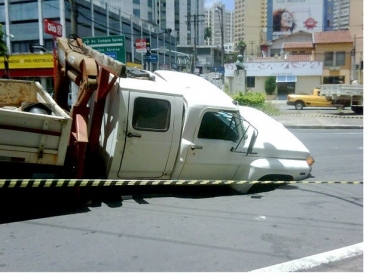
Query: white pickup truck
point(180, 126)
point(164, 125)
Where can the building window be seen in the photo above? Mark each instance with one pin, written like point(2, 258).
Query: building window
point(328, 58)
point(333, 80)
point(335, 58)
point(137, 2)
point(285, 79)
point(137, 12)
point(340, 58)
point(250, 81)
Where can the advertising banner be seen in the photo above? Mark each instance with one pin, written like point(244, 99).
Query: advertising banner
point(30, 61)
point(142, 44)
point(278, 68)
point(290, 16)
point(53, 28)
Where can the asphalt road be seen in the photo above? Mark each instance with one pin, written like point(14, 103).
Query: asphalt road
point(194, 229)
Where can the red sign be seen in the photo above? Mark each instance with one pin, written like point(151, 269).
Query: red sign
point(142, 44)
point(53, 28)
point(310, 23)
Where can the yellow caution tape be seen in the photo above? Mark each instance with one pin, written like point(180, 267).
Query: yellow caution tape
point(60, 183)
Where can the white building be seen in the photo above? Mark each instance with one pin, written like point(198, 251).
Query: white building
point(213, 20)
point(182, 17)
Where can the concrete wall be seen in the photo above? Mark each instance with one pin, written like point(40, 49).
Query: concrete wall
point(305, 84)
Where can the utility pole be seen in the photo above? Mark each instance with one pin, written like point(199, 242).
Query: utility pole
point(73, 16)
point(221, 16)
point(252, 42)
point(196, 22)
point(169, 31)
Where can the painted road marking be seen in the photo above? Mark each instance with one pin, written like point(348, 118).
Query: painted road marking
point(315, 260)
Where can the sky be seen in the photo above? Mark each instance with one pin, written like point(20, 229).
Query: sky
point(229, 4)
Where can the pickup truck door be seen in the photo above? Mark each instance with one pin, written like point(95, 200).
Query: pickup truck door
point(318, 101)
point(209, 156)
point(152, 135)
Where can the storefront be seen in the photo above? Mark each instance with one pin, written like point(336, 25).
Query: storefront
point(30, 66)
point(291, 77)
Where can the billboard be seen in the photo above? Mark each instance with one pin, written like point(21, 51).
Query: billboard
point(290, 16)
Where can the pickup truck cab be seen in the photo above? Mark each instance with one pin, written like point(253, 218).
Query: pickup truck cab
point(299, 101)
point(179, 126)
point(315, 99)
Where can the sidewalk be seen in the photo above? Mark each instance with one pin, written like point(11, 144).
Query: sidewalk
point(320, 121)
point(316, 119)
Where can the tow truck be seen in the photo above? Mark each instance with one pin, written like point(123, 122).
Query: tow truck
point(129, 124)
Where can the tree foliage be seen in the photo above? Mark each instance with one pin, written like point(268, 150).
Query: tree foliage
point(207, 33)
point(241, 46)
point(3, 48)
point(270, 85)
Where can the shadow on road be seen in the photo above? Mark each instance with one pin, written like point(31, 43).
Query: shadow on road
point(27, 204)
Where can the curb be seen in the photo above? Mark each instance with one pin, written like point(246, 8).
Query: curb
point(323, 127)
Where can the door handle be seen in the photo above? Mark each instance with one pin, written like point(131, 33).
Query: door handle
point(196, 147)
point(131, 135)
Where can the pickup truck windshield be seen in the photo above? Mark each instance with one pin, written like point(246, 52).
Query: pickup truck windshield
point(219, 125)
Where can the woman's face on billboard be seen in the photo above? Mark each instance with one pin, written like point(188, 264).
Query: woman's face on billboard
point(286, 21)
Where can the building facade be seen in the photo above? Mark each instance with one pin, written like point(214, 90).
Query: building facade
point(23, 26)
point(305, 61)
point(250, 21)
point(213, 21)
point(177, 15)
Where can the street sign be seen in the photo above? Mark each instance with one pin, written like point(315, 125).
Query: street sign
point(53, 28)
point(153, 58)
point(112, 46)
point(162, 49)
point(219, 69)
point(142, 45)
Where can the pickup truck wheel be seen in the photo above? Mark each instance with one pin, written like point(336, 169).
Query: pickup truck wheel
point(358, 110)
point(299, 105)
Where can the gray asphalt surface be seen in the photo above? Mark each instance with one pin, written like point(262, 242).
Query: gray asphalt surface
point(323, 119)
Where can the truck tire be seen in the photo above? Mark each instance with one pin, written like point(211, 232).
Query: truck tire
point(299, 105)
point(358, 110)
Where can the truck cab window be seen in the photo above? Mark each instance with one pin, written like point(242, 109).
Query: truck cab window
point(218, 125)
point(151, 114)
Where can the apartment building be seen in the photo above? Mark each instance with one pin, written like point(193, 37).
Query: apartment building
point(213, 21)
point(250, 21)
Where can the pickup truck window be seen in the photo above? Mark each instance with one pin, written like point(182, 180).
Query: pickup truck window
point(151, 114)
point(218, 125)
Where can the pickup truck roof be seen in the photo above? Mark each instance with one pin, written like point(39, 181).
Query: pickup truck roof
point(147, 85)
point(196, 90)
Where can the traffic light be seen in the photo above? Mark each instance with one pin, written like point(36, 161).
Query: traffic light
point(148, 48)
